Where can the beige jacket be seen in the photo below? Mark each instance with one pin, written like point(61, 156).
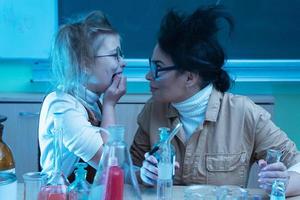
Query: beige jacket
point(236, 132)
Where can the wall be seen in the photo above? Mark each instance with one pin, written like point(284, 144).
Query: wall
point(15, 77)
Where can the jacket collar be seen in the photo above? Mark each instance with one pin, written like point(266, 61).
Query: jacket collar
point(212, 110)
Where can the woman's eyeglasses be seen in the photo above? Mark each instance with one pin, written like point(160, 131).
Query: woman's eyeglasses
point(118, 54)
point(154, 69)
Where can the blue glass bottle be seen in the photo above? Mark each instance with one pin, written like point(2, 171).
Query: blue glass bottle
point(278, 190)
point(80, 188)
point(163, 135)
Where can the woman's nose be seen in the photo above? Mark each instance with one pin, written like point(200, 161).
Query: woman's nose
point(149, 76)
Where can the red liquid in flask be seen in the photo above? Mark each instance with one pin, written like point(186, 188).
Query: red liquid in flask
point(53, 192)
point(114, 184)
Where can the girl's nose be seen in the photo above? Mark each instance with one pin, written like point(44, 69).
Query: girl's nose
point(122, 63)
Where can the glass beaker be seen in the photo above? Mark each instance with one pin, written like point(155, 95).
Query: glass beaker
point(115, 178)
point(33, 182)
point(56, 188)
point(80, 188)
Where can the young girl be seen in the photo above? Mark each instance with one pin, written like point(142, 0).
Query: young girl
point(87, 63)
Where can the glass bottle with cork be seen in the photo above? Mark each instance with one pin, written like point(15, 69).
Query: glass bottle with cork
point(80, 188)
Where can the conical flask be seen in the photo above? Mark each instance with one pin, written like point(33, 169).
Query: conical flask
point(80, 188)
point(115, 178)
point(56, 188)
point(7, 163)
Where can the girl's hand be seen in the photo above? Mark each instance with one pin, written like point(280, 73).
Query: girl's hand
point(115, 91)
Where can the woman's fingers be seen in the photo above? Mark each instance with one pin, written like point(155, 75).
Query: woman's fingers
point(177, 165)
point(151, 159)
point(149, 171)
point(146, 177)
point(278, 166)
point(262, 163)
point(271, 172)
point(151, 168)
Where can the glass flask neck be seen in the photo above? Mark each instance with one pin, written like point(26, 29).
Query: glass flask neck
point(57, 150)
point(80, 175)
point(57, 177)
point(163, 133)
point(116, 133)
point(166, 152)
point(80, 172)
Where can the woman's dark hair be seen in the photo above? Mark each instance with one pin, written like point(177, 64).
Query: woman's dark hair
point(192, 43)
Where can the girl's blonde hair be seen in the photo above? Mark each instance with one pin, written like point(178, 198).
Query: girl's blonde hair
point(73, 51)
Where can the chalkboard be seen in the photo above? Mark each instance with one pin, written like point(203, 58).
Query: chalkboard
point(27, 28)
point(264, 29)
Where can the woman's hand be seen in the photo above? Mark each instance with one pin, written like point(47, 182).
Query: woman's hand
point(115, 91)
point(271, 172)
point(149, 170)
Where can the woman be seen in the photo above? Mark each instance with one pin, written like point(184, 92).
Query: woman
point(223, 134)
point(87, 62)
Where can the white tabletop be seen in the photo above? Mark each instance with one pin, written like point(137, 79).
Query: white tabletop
point(150, 193)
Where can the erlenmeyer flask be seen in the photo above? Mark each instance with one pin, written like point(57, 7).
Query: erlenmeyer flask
point(115, 178)
point(7, 163)
point(80, 188)
point(56, 188)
